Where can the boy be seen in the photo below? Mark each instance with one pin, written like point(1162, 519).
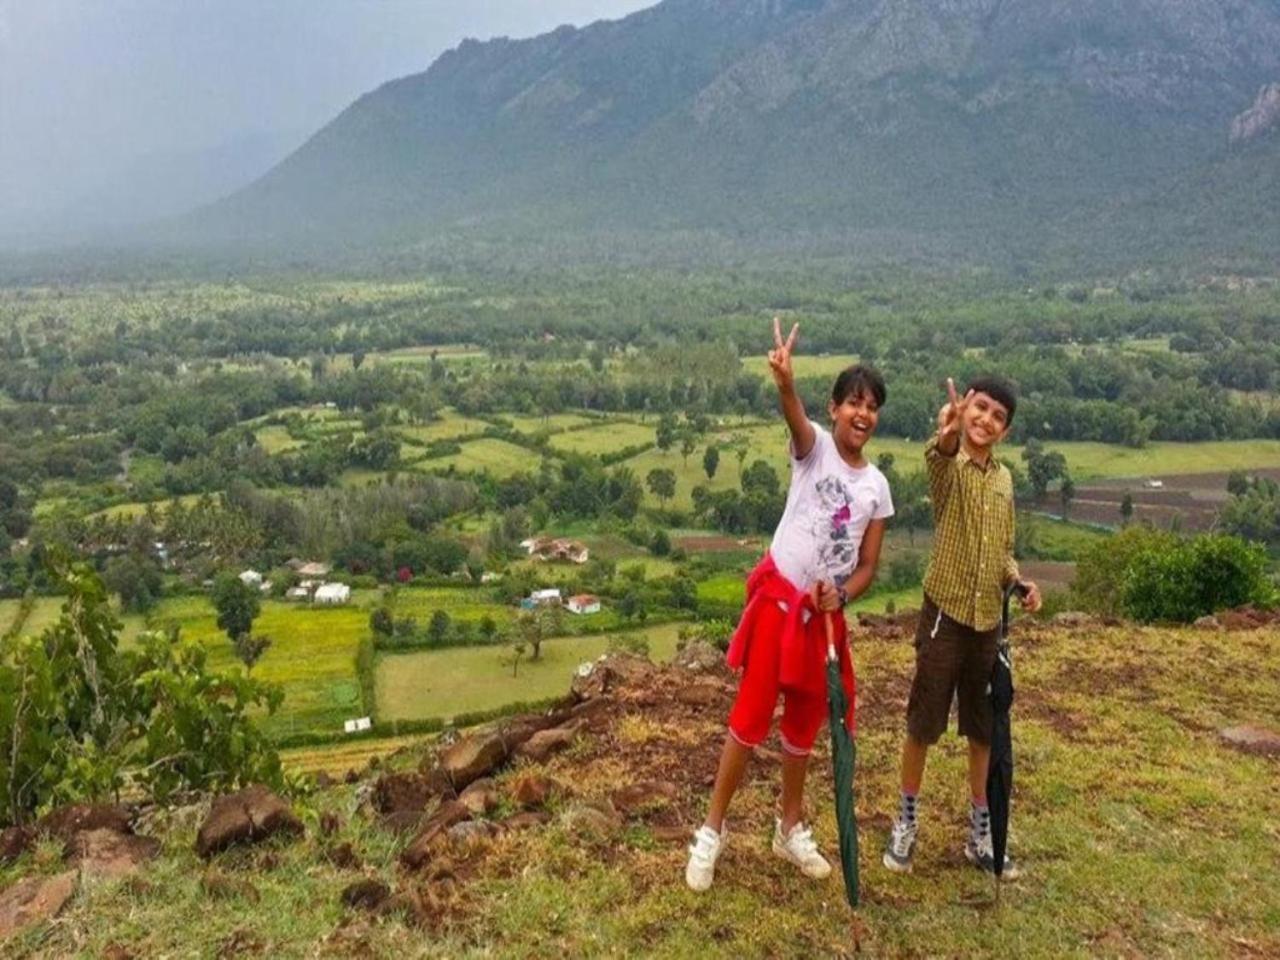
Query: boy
point(823, 554)
point(970, 565)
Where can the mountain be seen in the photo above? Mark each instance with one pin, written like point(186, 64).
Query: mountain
point(1014, 129)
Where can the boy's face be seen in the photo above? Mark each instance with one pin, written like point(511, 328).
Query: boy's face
point(986, 421)
point(854, 420)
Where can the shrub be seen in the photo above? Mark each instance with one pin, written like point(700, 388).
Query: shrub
point(1101, 570)
point(1196, 577)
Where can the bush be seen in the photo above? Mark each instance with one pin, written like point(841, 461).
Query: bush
point(1102, 569)
point(1196, 577)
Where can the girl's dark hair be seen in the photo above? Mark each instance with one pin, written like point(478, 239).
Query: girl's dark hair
point(998, 389)
point(856, 380)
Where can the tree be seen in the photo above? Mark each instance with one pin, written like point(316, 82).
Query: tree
point(1066, 492)
point(537, 625)
point(661, 482)
point(1043, 466)
point(438, 628)
point(1237, 483)
point(760, 478)
point(683, 594)
point(665, 434)
point(687, 445)
point(518, 649)
point(1126, 509)
point(136, 579)
point(237, 605)
point(250, 647)
point(660, 545)
point(711, 461)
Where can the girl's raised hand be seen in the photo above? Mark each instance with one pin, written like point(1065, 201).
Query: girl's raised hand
point(780, 356)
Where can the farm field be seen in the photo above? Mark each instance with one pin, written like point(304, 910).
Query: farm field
point(608, 438)
point(807, 365)
point(553, 423)
point(486, 455)
point(448, 427)
point(336, 759)
point(138, 508)
point(445, 683)
point(276, 439)
point(312, 656)
point(460, 603)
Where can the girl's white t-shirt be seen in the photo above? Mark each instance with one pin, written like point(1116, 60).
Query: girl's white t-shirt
point(829, 506)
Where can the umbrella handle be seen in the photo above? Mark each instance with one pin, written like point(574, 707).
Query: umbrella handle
point(831, 635)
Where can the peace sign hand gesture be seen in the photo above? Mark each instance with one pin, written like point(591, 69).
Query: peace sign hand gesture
point(780, 357)
point(951, 416)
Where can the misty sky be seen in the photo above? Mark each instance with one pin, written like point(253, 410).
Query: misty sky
point(95, 92)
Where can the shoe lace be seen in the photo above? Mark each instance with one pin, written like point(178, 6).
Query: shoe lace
point(901, 838)
point(982, 844)
point(703, 846)
point(801, 841)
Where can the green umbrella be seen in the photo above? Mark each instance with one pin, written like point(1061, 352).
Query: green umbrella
point(843, 754)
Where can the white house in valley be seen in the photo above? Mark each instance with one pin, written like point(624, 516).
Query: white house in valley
point(583, 603)
point(332, 594)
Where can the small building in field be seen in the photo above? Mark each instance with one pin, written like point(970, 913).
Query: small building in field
point(583, 603)
point(251, 578)
point(563, 549)
point(297, 593)
point(314, 569)
point(549, 597)
point(332, 594)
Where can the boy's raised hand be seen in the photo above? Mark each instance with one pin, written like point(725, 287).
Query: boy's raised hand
point(780, 356)
point(951, 415)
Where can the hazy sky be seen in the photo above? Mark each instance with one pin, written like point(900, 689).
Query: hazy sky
point(90, 87)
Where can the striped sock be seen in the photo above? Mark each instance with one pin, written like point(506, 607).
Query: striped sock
point(980, 819)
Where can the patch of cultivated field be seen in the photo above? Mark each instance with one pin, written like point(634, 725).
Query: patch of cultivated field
point(446, 683)
point(337, 758)
point(807, 365)
point(276, 439)
point(138, 508)
point(460, 603)
point(448, 427)
point(555, 423)
point(608, 438)
point(1101, 460)
point(312, 656)
point(486, 455)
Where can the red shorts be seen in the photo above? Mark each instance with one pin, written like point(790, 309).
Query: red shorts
point(803, 711)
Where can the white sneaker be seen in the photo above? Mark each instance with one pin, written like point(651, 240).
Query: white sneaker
point(901, 846)
point(703, 852)
point(798, 847)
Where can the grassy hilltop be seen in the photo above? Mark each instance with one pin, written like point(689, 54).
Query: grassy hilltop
point(1141, 834)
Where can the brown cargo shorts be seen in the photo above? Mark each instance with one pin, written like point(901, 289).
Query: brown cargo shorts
point(953, 661)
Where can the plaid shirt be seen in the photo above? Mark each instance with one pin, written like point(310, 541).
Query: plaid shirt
point(972, 558)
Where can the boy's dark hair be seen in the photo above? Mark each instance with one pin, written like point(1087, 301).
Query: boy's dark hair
point(856, 380)
point(998, 389)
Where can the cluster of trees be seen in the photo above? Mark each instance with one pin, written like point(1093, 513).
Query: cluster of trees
point(82, 719)
point(1252, 510)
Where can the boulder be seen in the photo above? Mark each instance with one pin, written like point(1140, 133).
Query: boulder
point(473, 757)
point(698, 656)
point(542, 745)
point(367, 894)
point(66, 822)
point(106, 853)
point(519, 729)
point(532, 790)
point(471, 831)
point(592, 820)
point(34, 900)
point(14, 842)
point(423, 846)
point(397, 792)
point(1252, 739)
point(1207, 622)
point(611, 671)
point(481, 797)
point(637, 799)
point(247, 816)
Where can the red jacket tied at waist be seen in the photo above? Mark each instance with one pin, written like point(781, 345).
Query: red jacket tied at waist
point(804, 645)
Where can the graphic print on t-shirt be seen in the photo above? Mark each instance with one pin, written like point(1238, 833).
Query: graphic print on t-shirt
point(829, 525)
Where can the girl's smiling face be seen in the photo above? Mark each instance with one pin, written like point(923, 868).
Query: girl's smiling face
point(854, 420)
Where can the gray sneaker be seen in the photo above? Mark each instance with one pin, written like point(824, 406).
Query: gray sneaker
point(978, 851)
point(901, 845)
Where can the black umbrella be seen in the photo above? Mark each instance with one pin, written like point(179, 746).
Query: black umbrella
point(843, 754)
point(1000, 771)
